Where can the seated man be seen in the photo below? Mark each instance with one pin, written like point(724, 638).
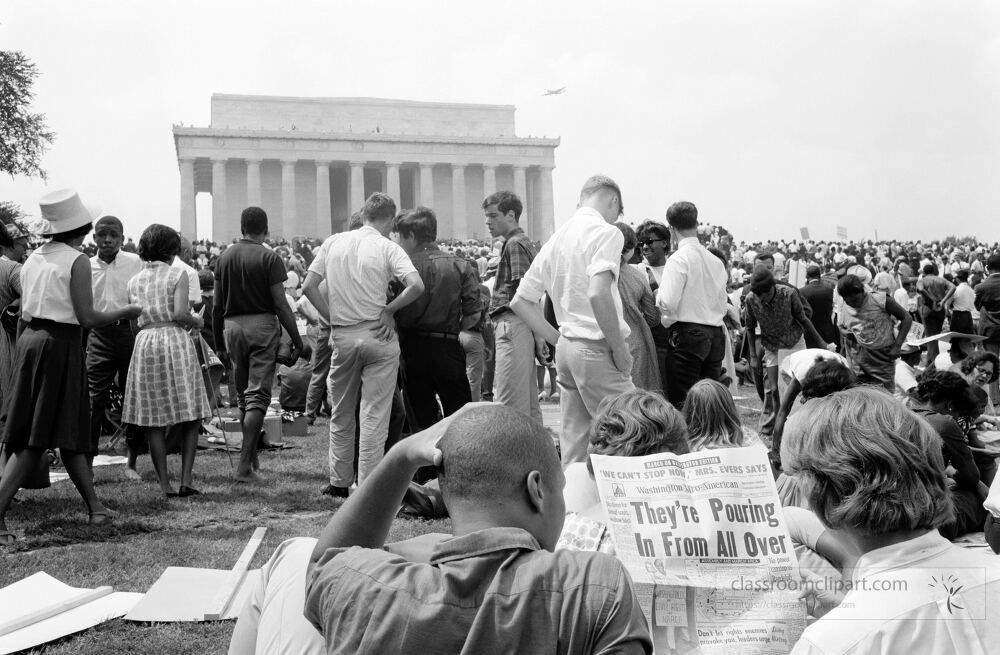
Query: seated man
point(495, 585)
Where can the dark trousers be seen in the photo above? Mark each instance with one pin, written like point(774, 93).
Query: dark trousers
point(432, 367)
point(933, 324)
point(109, 352)
point(695, 353)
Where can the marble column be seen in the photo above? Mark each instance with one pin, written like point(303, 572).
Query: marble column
point(357, 186)
point(546, 214)
point(189, 217)
point(521, 191)
point(459, 220)
point(289, 222)
point(392, 182)
point(324, 222)
point(489, 180)
point(427, 185)
point(253, 183)
point(222, 229)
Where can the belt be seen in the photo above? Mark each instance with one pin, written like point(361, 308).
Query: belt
point(433, 335)
point(118, 323)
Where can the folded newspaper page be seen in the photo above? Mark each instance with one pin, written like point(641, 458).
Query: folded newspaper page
point(704, 538)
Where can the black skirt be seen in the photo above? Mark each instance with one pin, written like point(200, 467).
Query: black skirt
point(48, 405)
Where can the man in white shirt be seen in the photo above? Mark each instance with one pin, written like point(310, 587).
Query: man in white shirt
point(183, 261)
point(358, 267)
point(109, 348)
point(578, 268)
point(692, 299)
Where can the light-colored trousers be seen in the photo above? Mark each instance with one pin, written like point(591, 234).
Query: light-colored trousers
point(359, 364)
point(514, 382)
point(587, 375)
point(475, 361)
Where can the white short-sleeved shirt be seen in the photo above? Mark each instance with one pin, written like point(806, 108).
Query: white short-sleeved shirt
point(110, 281)
point(584, 247)
point(45, 279)
point(358, 266)
point(798, 364)
point(924, 595)
point(194, 284)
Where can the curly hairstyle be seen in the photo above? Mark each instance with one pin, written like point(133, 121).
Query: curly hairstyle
point(940, 387)
point(636, 423)
point(975, 359)
point(871, 465)
point(825, 377)
point(159, 243)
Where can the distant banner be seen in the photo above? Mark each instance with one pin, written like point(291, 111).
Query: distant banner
point(804, 231)
point(704, 538)
point(841, 232)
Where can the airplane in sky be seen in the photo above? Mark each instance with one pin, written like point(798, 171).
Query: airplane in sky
point(554, 92)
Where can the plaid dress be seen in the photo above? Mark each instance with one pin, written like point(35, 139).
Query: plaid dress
point(165, 384)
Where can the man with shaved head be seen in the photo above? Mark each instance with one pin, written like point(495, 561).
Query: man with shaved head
point(496, 585)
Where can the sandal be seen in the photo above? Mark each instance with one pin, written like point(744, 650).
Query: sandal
point(102, 518)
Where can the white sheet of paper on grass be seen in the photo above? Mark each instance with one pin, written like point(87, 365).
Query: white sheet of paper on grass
point(41, 590)
point(184, 594)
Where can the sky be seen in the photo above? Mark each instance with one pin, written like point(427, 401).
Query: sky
point(769, 115)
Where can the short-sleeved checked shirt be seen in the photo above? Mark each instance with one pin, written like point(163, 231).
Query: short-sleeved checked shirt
point(515, 258)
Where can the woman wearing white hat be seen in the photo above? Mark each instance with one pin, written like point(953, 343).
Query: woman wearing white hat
point(48, 405)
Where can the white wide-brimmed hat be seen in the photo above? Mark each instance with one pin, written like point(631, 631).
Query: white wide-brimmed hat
point(63, 211)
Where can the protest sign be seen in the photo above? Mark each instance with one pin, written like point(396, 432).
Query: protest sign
point(704, 538)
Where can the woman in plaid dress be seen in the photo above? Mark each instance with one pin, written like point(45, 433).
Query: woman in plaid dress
point(165, 386)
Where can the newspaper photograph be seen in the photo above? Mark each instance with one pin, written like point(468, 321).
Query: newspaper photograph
point(704, 538)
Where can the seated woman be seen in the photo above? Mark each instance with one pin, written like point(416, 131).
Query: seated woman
point(630, 425)
point(981, 369)
point(875, 474)
point(972, 424)
point(941, 397)
point(713, 420)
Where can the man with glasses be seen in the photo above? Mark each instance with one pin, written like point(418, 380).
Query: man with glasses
point(692, 298)
point(578, 268)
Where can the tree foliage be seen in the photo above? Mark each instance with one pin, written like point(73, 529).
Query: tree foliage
point(24, 136)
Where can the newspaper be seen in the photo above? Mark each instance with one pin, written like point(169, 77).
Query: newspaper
point(704, 538)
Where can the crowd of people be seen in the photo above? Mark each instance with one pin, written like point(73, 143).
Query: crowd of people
point(877, 436)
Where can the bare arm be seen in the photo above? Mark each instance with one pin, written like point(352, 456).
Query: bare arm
point(605, 312)
point(414, 286)
point(81, 293)
point(531, 313)
point(182, 313)
point(905, 321)
point(364, 520)
point(287, 320)
point(310, 288)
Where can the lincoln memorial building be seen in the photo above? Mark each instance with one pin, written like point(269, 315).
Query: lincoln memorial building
point(311, 162)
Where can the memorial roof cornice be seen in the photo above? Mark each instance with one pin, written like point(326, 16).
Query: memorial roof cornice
point(367, 136)
point(388, 102)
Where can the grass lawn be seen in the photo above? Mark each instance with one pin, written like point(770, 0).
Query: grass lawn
point(207, 531)
point(153, 532)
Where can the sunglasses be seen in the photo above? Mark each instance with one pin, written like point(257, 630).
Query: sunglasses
point(649, 242)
